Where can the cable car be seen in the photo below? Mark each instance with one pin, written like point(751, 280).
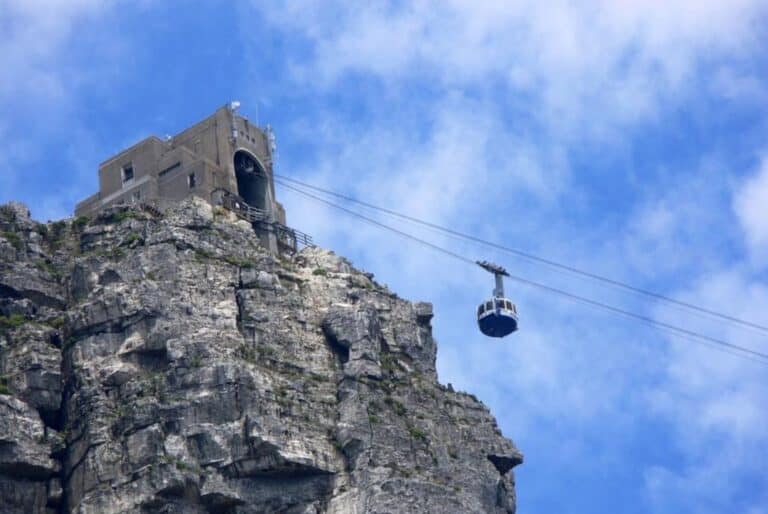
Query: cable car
point(496, 317)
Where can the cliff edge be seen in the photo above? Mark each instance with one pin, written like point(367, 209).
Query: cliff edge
point(169, 364)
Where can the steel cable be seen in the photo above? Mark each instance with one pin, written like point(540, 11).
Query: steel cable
point(281, 179)
point(680, 331)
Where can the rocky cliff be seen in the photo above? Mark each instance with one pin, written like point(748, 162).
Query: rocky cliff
point(168, 364)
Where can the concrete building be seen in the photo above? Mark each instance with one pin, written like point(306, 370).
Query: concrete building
point(224, 159)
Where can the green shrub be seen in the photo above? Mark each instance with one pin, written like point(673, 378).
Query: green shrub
point(131, 238)
point(42, 230)
point(46, 266)
point(388, 363)
point(14, 239)
point(417, 433)
point(110, 253)
point(182, 466)
point(80, 223)
point(115, 253)
point(119, 217)
point(55, 233)
point(57, 229)
point(398, 407)
point(203, 255)
point(57, 323)
point(320, 271)
point(266, 351)
point(248, 353)
point(11, 322)
point(238, 261)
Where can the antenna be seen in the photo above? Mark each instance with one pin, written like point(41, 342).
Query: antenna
point(233, 106)
point(271, 139)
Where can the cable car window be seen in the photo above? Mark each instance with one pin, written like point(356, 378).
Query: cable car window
point(480, 309)
point(500, 304)
point(489, 306)
point(509, 305)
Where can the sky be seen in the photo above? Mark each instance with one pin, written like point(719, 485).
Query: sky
point(627, 138)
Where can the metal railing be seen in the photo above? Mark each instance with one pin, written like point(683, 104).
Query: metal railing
point(288, 239)
point(241, 208)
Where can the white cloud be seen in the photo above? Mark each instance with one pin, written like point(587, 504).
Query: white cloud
point(32, 45)
point(516, 88)
point(715, 403)
point(51, 51)
point(751, 205)
point(586, 66)
point(467, 167)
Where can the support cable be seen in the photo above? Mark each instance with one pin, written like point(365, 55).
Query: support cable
point(691, 335)
point(283, 180)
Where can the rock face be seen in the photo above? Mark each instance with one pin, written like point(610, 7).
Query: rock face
point(170, 364)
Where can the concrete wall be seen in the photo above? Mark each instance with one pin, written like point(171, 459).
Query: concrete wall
point(143, 156)
point(88, 205)
point(161, 169)
point(176, 185)
point(204, 138)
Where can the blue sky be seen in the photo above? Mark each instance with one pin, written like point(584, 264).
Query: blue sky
point(628, 138)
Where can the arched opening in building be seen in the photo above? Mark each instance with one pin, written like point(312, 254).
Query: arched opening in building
point(252, 183)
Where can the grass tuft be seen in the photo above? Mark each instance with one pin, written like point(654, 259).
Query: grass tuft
point(11, 322)
point(14, 239)
point(417, 433)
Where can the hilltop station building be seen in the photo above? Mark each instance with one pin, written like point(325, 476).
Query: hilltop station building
point(223, 159)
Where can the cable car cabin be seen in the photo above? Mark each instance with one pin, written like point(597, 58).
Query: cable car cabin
point(497, 317)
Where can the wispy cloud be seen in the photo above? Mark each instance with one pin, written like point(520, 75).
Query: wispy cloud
point(584, 67)
point(601, 134)
point(44, 72)
point(751, 206)
point(525, 110)
point(32, 50)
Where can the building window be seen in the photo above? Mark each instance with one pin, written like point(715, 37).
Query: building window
point(136, 197)
point(169, 169)
point(127, 173)
point(192, 180)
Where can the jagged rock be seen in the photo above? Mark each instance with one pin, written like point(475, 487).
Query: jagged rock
point(189, 371)
point(24, 451)
point(18, 212)
point(32, 368)
point(355, 335)
point(504, 463)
